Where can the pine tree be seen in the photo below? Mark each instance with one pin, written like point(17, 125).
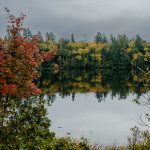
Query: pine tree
point(139, 44)
point(50, 36)
point(40, 36)
point(72, 38)
point(98, 37)
point(29, 34)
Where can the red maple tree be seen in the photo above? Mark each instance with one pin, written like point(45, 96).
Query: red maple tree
point(19, 59)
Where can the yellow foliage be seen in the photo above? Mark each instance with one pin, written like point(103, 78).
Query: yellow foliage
point(96, 46)
point(132, 44)
point(147, 57)
point(129, 50)
point(85, 60)
point(93, 55)
point(97, 89)
point(146, 49)
point(77, 45)
point(49, 46)
point(98, 57)
point(136, 56)
point(78, 57)
point(78, 79)
point(137, 79)
point(83, 85)
point(56, 66)
point(82, 51)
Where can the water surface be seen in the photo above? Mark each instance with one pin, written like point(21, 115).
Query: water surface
point(95, 104)
point(108, 122)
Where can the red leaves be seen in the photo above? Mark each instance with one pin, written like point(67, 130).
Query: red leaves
point(47, 55)
point(1, 58)
point(8, 89)
point(15, 23)
point(34, 89)
point(19, 59)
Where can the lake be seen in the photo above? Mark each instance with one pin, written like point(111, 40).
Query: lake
point(101, 105)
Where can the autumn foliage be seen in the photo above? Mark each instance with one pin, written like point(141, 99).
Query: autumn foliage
point(20, 58)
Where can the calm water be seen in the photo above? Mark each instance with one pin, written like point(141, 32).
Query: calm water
point(95, 104)
point(107, 122)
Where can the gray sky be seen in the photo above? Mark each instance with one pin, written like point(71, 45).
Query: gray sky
point(81, 17)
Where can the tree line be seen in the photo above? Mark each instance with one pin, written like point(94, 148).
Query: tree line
point(117, 51)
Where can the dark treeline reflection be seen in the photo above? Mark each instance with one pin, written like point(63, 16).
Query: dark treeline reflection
point(119, 83)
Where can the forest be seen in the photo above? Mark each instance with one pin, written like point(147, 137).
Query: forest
point(116, 52)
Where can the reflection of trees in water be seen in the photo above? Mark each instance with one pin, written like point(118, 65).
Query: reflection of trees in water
point(102, 82)
point(23, 124)
point(101, 96)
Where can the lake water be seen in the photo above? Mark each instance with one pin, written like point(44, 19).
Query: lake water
point(108, 122)
point(97, 105)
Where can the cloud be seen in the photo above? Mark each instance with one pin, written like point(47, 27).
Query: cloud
point(82, 17)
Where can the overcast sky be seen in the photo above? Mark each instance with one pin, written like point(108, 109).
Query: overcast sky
point(81, 17)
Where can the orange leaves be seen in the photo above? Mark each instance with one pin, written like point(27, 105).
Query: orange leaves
point(47, 55)
point(34, 90)
point(1, 58)
point(8, 89)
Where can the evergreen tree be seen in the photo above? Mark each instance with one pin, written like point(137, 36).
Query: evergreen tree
point(72, 38)
point(104, 39)
point(139, 44)
point(29, 34)
point(50, 36)
point(98, 37)
point(40, 36)
point(25, 32)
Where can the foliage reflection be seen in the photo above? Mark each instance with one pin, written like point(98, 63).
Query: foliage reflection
point(102, 82)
